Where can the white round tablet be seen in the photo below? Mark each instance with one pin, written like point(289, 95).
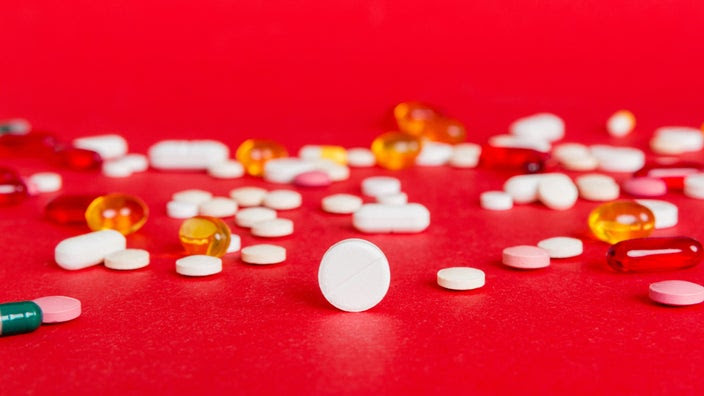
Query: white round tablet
point(393, 199)
point(359, 157)
point(263, 254)
point(248, 196)
point(562, 247)
point(218, 207)
point(461, 278)
point(465, 155)
point(192, 196)
point(354, 275)
point(181, 210)
point(273, 228)
point(495, 200)
point(116, 169)
point(230, 169)
point(136, 162)
point(198, 265)
point(341, 203)
point(247, 217)
point(282, 199)
point(597, 187)
point(128, 259)
point(45, 182)
point(380, 185)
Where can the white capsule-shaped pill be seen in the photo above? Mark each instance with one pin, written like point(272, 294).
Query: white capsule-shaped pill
point(247, 217)
point(465, 155)
point(557, 191)
point(284, 170)
point(109, 146)
point(541, 126)
point(359, 157)
point(341, 203)
point(379, 218)
point(229, 169)
point(597, 187)
point(380, 185)
point(434, 154)
point(618, 159)
point(674, 140)
point(248, 196)
point(520, 142)
point(393, 199)
point(88, 249)
point(495, 200)
point(187, 154)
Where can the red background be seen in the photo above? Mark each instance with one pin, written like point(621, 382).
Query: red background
point(329, 72)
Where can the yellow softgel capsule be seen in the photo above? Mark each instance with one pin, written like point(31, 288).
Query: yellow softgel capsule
point(412, 117)
point(618, 221)
point(120, 212)
point(205, 235)
point(254, 153)
point(396, 150)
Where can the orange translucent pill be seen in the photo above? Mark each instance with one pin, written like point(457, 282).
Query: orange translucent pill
point(12, 188)
point(68, 209)
point(618, 221)
point(446, 130)
point(411, 117)
point(120, 212)
point(396, 150)
point(254, 153)
point(205, 235)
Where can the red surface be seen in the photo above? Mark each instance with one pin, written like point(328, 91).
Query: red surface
point(329, 72)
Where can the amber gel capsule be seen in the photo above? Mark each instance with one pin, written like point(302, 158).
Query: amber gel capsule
point(19, 317)
point(654, 254)
point(121, 212)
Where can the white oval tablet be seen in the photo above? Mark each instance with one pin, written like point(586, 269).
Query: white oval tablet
point(379, 218)
point(187, 154)
point(218, 207)
point(354, 275)
point(360, 157)
point(562, 247)
point(248, 196)
point(108, 146)
point(88, 249)
point(193, 196)
point(341, 203)
point(181, 210)
point(666, 213)
point(116, 169)
point(128, 259)
point(229, 169)
point(199, 265)
point(434, 154)
point(235, 243)
point(136, 162)
point(523, 188)
point(557, 191)
point(461, 278)
point(597, 187)
point(541, 126)
point(495, 200)
point(618, 159)
point(380, 185)
point(45, 182)
point(284, 170)
point(393, 199)
point(247, 217)
point(273, 228)
point(263, 254)
point(465, 155)
point(282, 200)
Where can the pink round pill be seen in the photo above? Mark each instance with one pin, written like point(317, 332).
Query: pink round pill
point(312, 179)
point(57, 309)
point(645, 187)
point(526, 257)
point(676, 292)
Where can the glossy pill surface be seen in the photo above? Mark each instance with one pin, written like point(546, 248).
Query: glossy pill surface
point(205, 235)
point(89, 249)
point(121, 212)
point(79, 159)
point(617, 221)
point(19, 317)
point(68, 209)
point(412, 117)
point(512, 158)
point(396, 150)
point(654, 254)
point(254, 153)
point(12, 189)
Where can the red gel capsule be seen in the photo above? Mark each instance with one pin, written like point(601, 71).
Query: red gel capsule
point(512, 158)
point(31, 144)
point(79, 159)
point(68, 209)
point(12, 188)
point(672, 173)
point(654, 254)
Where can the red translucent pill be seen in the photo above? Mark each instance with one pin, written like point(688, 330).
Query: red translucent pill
point(12, 188)
point(671, 172)
point(512, 158)
point(31, 144)
point(79, 159)
point(68, 209)
point(654, 254)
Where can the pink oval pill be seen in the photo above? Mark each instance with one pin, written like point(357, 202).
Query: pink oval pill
point(676, 292)
point(57, 309)
point(312, 179)
point(645, 187)
point(526, 257)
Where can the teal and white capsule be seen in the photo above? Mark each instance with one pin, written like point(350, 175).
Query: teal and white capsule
point(19, 317)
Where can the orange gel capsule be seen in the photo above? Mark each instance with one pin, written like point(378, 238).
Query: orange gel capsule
point(445, 130)
point(120, 212)
point(411, 117)
point(396, 150)
point(618, 221)
point(654, 254)
point(254, 153)
point(68, 209)
point(205, 235)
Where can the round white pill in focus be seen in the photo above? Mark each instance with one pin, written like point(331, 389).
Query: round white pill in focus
point(461, 278)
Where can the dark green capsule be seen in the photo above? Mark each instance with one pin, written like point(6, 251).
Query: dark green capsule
point(19, 317)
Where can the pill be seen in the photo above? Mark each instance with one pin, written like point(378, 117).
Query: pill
point(461, 278)
point(198, 265)
point(46, 182)
point(254, 154)
point(248, 196)
point(557, 191)
point(335, 171)
point(393, 199)
point(337, 154)
point(621, 123)
point(495, 200)
point(128, 259)
point(58, 309)
point(519, 142)
point(671, 170)
point(645, 187)
point(379, 218)
point(205, 235)
point(273, 228)
point(434, 154)
point(263, 254)
point(282, 199)
point(675, 140)
point(380, 185)
point(354, 275)
point(597, 187)
point(666, 214)
point(359, 157)
point(192, 196)
point(526, 257)
point(312, 179)
point(676, 292)
point(88, 249)
point(465, 155)
point(136, 162)
point(108, 146)
point(541, 126)
point(121, 212)
point(116, 169)
point(285, 170)
point(218, 207)
point(617, 221)
point(412, 117)
point(226, 170)
point(15, 126)
point(512, 159)
point(19, 317)
point(618, 159)
point(575, 157)
point(694, 186)
point(562, 247)
point(181, 209)
point(187, 154)
point(523, 188)
point(68, 209)
point(654, 254)
point(247, 217)
point(396, 150)
point(341, 203)
point(235, 243)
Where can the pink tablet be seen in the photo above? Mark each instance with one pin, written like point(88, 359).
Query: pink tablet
point(57, 309)
point(676, 292)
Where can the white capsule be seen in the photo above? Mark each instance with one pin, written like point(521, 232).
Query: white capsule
point(621, 123)
point(199, 265)
point(273, 228)
point(116, 169)
point(393, 199)
point(465, 155)
point(666, 213)
point(557, 191)
point(359, 157)
point(520, 142)
point(341, 203)
point(88, 249)
point(247, 217)
point(575, 157)
point(618, 159)
point(434, 154)
point(181, 209)
point(541, 126)
point(675, 140)
point(108, 146)
point(495, 200)
point(136, 162)
point(461, 278)
point(127, 260)
point(218, 207)
point(193, 196)
point(282, 199)
point(380, 185)
point(378, 218)
point(229, 169)
point(597, 187)
point(248, 196)
point(263, 254)
point(284, 170)
point(562, 247)
point(46, 182)
point(187, 154)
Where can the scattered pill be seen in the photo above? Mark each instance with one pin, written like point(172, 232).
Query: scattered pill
point(562, 247)
point(285, 170)
point(654, 254)
point(19, 317)
point(541, 126)
point(617, 221)
point(187, 154)
point(199, 265)
point(247, 217)
point(597, 187)
point(645, 187)
point(273, 228)
point(263, 254)
point(575, 157)
point(674, 140)
point(248, 196)
point(465, 155)
point(694, 186)
point(434, 154)
point(128, 259)
point(618, 159)
point(108, 146)
point(495, 200)
point(621, 123)
point(121, 212)
point(359, 157)
point(205, 235)
point(235, 244)
point(88, 249)
point(557, 191)
point(666, 214)
point(218, 207)
point(336, 172)
point(254, 154)
point(58, 309)
point(46, 182)
point(396, 150)
point(523, 188)
point(136, 162)
point(393, 199)
point(181, 209)
point(461, 278)
point(526, 257)
point(312, 179)
point(337, 154)
point(192, 196)
point(380, 185)
point(354, 275)
point(676, 292)
point(341, 203)
point(226, 170)
point(378, 218)
point(282, 199)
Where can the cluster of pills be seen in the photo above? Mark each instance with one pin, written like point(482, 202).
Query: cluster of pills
point(25, 316)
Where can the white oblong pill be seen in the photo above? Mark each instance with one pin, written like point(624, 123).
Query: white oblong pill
point(282, 199)
point(380, 185)
point(495, 200)
point(520, 142)
point(378, 218)
point(597, 187)
point(557, 191)
point(45, 182)
point(523, 188)
point(263, 254)
point(541, 126)
point(284, 170)
point(136, 162)
point(354, 275)
point(248, 196)
point(192, 196)
point(117, 169)
point(181, 210)
point(273, 228)
point(128, 259)
point(341, 203)
point(618, 159)
point(694, 186)
point(562, 247)
point(465, 155)
point(461, 278)
point(218, 207)
point(247, 217)
point(229, 169)
point(89, 249)
point(198, 265)
point(666, 213)
point(434, 154)
point(359, 157)
point(393, 199)
point(675, 140)
point(187, 154)
point(109, 146)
